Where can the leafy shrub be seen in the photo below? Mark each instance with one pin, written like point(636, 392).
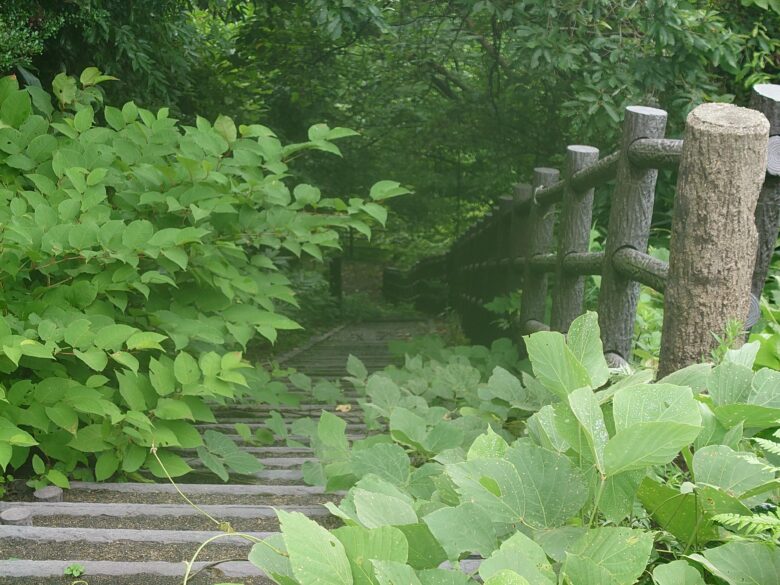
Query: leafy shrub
point(138, 258)
point(613, 479)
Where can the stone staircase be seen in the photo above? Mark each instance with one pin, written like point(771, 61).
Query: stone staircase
point(141, 533)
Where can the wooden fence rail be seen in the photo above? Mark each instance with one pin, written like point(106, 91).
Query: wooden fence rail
point(725, 225)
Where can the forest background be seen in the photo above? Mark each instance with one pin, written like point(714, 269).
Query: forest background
point(457, 99)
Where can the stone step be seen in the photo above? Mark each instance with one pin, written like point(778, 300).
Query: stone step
point(227, 427)
point(34, 543)
point(267, 476)
point(206, 494)
point(50, 572)
point(145, 516)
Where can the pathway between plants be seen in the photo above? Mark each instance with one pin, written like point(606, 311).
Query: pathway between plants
point(140, 533)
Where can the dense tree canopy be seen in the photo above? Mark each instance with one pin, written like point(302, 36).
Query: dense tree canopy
point(457, 99)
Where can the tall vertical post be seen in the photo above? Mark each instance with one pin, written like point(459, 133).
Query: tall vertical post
point(540, 241)
point(518, 240)
point(576, 215)
point(766, 99)
point(714, 237)
point(631, 212)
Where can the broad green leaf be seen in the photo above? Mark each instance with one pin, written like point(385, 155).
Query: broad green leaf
point(646, 444)
point(94, 358)
point(695, 377)
point(394, 573)
point(488, 445)
point(376, 211)
point(89, 439)
point(377, 509)
point(386, 460)
point(316, 556)
point(462, 529)
point(730, 383)
point(653, 424)
point(56, 477)
point(734, 472)
point(213, 463)
point(106, 466)
point(242, 462)
point(362, 545)
point(16, 108)
point(655, 403)
point(584, 341)
point(39, 467)
point(619, 494)
point(505, 386)
point(172, 409)
point(63, 416)
point(186, 369)
point(226, 128)
point(506, 577)
point(172, 463)
point(145, 340)
point(531, 486)
point(752, 416)
point(83, 119)
point(742, 563)
point(554, 364)
point(92, 76)
point(677, 573)
point(161, 375)
point(270, 555)
point(113, 336)
point(522, 556)
point(425, 552)
point(386, 189)
point(556, 541)
point(126, 359)
point(586, 410)
point(408, 428)
point(6, 451)
point(676, 512)
point(114, 117)
point(608, 556)
point(443, 577)
point(443, 436)
point(355, 368)
point(331, 431)
point(542, 428)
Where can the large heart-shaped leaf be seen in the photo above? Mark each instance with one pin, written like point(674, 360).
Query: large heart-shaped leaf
point(608, 556)
point(316, 556)
point(531, 486)
point(742, 563)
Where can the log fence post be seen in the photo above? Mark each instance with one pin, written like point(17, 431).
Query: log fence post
point(631, 211)
point(714, 238)
point(540, 241)
point(576, 216)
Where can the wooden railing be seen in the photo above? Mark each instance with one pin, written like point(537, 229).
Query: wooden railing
point(424, 285)
point(729, 162)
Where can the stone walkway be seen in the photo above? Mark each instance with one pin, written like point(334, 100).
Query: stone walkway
point(140, 533)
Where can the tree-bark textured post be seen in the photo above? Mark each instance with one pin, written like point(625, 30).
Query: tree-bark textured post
point(766, 99)
point(518, 241)
point(629, 227)
point(714, 238)
point(540, 241)
point(576, 215)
